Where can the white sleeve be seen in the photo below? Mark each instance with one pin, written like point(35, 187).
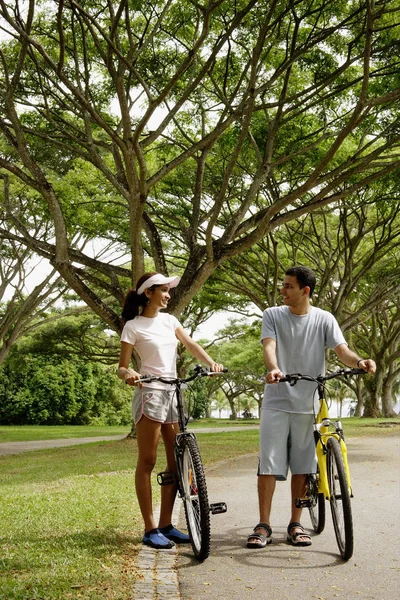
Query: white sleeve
point(129, 334)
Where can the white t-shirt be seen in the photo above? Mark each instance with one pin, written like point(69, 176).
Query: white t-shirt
point(300, 348)
point(155, 342)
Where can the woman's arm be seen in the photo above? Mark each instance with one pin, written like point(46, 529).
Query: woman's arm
point(125, 372)
point(196, 350)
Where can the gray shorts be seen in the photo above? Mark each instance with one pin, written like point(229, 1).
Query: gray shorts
point(157, 405)
point(286, 441)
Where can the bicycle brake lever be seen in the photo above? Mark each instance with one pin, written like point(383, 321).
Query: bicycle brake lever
point(290, 379)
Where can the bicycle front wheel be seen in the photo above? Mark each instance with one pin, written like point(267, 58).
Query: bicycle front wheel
point(317, 510)
point(195, 498)
point(340, 499)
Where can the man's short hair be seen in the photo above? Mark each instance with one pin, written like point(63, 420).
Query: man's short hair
point(305, 277)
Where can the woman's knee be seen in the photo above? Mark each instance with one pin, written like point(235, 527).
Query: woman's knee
point(146, 463)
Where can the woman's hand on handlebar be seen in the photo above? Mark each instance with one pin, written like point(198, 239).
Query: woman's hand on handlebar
point(132, 377)
point(216, 367)
point(274, 376)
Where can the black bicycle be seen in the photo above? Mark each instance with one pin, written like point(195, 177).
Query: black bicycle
point(191, 483)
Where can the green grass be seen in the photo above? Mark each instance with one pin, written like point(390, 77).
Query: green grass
point(70, 526)
point(69, 523)
point(24, 433)
point(15, 433)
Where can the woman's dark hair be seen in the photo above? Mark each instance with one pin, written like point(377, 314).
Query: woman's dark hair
point(305, 277)
point(133, 301)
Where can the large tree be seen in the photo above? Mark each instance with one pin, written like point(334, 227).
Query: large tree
point(201, 127)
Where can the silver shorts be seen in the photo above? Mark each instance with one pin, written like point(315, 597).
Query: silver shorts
point(157, 405)
point(286, 441)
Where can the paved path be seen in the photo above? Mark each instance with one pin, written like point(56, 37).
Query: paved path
point(18, 447)
point(282, 572)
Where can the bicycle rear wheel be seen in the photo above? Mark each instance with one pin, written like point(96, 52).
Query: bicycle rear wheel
point(340, 499)
point(317, 510)
point(195, 498)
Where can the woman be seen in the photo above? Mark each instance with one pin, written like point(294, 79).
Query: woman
point(155, 335)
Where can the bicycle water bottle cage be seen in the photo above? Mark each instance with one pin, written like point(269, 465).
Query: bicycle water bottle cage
point(165, 478)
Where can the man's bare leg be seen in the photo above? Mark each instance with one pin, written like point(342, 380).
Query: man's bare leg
point(266, 488)
point(298, 488)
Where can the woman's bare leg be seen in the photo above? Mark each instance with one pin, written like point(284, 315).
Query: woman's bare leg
point(148, 435)
point(168, 492)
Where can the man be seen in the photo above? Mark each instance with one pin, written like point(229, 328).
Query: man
point(294, 338)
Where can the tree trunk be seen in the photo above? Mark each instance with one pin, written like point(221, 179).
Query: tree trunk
point(132, 433)
point(387, 401)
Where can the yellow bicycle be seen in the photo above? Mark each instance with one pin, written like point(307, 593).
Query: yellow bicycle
point(332, 481)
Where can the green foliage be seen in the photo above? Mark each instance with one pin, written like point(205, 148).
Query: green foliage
point(183, 133)
point(61, 391)
point(197, 398)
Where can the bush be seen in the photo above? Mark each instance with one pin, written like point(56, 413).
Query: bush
point(62, 392)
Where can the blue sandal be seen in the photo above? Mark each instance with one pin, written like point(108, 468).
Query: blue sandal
point(155, 539)
point(173, 534)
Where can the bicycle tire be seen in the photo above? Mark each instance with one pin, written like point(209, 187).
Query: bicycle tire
point(340, 499)
point(195, 498)
point(317, 511)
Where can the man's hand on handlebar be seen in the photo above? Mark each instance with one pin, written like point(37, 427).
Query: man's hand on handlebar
point(368, 365)
point(273, 376)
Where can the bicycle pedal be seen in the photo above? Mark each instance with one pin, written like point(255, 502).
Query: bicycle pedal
point(306, 502)
point(165, 478)
point(218, 508)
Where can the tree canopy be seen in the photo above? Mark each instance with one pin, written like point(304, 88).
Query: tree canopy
point(184, 133)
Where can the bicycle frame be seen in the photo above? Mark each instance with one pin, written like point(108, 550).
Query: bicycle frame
point(322, 432)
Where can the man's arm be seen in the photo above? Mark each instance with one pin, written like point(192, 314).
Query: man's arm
point(352, 360)
point(269, 349)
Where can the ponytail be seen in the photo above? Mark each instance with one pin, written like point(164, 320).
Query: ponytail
point(132, 304)
point(135, 303)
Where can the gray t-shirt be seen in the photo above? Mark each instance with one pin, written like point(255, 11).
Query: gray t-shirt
point(300, 348)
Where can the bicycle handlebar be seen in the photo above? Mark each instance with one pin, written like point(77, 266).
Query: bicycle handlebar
point(293, 378)
point(199, 371)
